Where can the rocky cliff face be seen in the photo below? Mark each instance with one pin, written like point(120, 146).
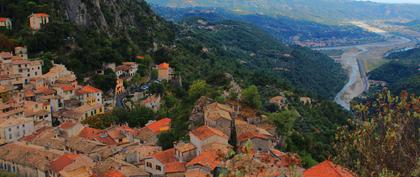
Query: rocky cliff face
point(132, 18)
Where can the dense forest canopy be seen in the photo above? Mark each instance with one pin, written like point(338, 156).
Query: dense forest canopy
point(402, 72)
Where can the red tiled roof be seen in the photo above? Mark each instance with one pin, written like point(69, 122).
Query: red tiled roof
point(250, 135)
point(88, 89)
point(151, 99)
point(123, 68)
point(29, 93)
point(208, 159)
point(140, 57)
point(40, 15)
point(96, 135)
point(160, 125)
point(175, 167)
point(327, 169)
point(168, 158)
point(205, 132)
point(45, 90)
point(3, 19)
point(196, 173)
point(67, 125)
point(163, 66)
point(66, 87)
point(114, 173)
point(63, 161)
point(32, 136)
point(6, 55)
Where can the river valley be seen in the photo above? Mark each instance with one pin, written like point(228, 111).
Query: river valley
point(365, 58)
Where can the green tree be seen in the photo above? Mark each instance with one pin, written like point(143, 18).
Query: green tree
point(139, 116)
point(197, 89)
point(384, 137)
point(156, 88)
point(105, 82)
point(251, 97)
point(284, 121)
point(166, 140)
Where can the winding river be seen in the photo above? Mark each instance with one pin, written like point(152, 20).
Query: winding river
point(370, 52)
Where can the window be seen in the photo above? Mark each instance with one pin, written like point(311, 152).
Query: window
point(10, 129)
point(148, 164)
point(10, 137)
point(158, 168)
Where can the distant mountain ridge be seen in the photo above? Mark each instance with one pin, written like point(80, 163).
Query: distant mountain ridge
point(329, 11)
point(283, 28)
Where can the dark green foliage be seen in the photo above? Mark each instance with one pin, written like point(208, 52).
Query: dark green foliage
point(253, 57)
point(251, 97)
point(197, 89)
point(401, 73)
point(137, 117)
point(83, 48)
point(156, 88)
point(309, 130)
point(105, 82)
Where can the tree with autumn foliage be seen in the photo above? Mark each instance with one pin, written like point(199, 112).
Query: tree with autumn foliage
point(384, 137)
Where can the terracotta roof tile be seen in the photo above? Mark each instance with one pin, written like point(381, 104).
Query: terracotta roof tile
point(251, 135)
point(67, 125)
point(6, 55)
point(163, 66)
point(96, 135)
point(208, 159)
point(114, 173)
point(63, 161)
point(328, 169)
point(66, 87)
point(205, 132)
point(175, 167)
point(3, 19)
point(40, 15)
point(166, 157)
point(88, 89)
point(197, 173)
point(185, 147)
point(160, 125)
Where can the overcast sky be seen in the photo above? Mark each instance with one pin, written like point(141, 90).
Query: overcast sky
point(398, 1)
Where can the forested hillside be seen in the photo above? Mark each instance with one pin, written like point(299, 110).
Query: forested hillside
point(252, 48)
point(402, 72)
point(85, 34)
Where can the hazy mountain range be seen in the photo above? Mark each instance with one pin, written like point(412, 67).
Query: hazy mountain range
point(327, 11)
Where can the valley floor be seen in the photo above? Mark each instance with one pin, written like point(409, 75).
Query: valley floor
point(370, 56)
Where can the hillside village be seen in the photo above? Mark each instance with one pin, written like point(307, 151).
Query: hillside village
point(42, 130)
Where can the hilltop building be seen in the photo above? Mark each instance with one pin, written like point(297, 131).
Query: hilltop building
point(37, 20)
point(5, 23)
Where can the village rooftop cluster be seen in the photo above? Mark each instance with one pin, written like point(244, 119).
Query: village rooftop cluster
point(32, 102)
